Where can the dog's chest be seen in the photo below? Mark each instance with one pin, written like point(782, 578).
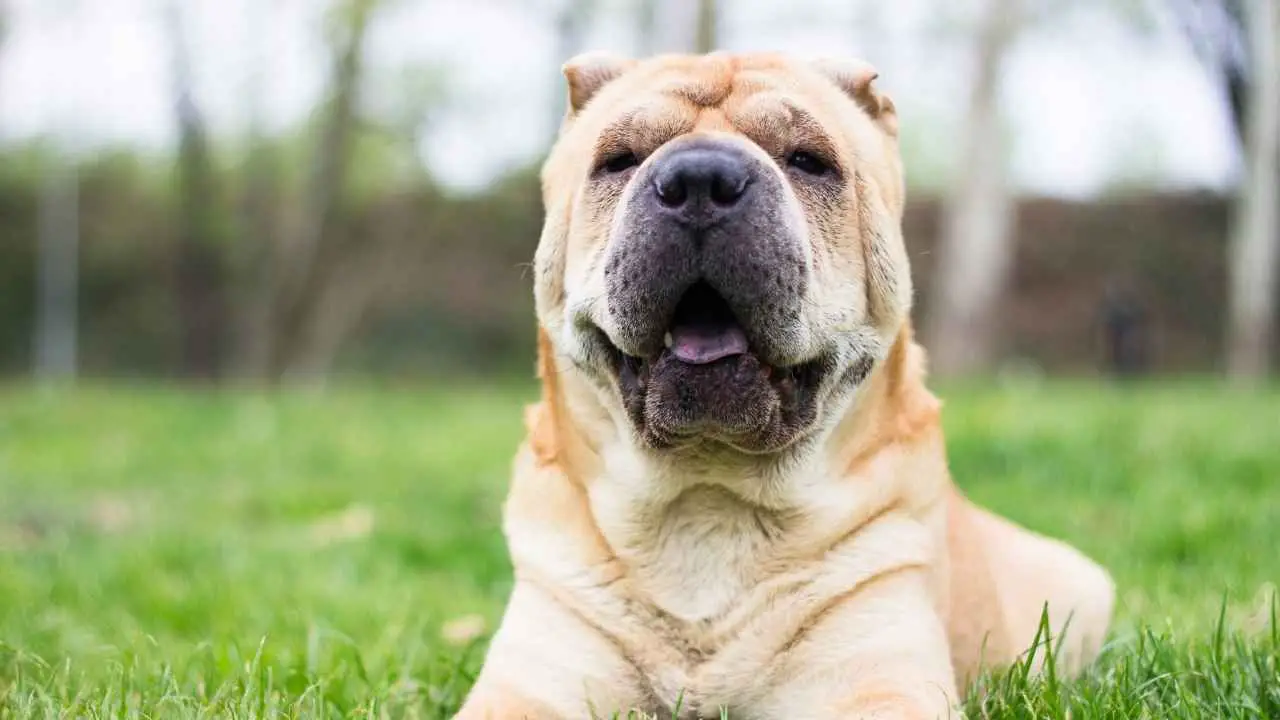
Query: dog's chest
point(699, 566)
point(716, 588)
point(698, 556)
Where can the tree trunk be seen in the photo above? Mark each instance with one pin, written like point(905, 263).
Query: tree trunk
point(678, 26)
point(201, 272)
point(1255, 233)
point(675, 25)
point(646, 27)
point(298, 278)
point(57, 273)
point(351, 290)
point(707, 36)
point(977, 244)
point(55, 352)
point(255, 342)
point(339, 307)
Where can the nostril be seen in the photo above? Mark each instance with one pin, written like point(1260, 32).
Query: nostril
point(671, 190)
point(726, 189)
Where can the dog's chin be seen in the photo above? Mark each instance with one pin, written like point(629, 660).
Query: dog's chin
point(738, 402)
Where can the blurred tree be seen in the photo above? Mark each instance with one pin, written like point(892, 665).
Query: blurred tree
point(58, 254)
point(336, 270)
point(1255, 235)
point(646, 17)
point(572, 21)
point(1217, 33)
point(372, 260)
point(259, 220)
point(678, 26)
point(303, 324)
point(976, 246)
point(1239, 42)
point(396, 128)
point(202, 276)
point(707, 36)
point(58, 236)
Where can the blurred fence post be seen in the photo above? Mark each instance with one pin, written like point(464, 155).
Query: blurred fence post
point(1255, 233)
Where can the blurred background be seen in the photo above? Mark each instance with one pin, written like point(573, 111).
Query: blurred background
point(259, 196)
point(290, 190)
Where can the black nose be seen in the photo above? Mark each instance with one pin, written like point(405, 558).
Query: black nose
point(700, 185)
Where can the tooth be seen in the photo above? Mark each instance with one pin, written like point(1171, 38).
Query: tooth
point(666, 341)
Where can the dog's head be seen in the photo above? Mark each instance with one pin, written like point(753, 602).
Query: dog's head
point(722, 255)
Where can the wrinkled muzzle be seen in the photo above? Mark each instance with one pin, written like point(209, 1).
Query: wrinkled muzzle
point(707, 222)
point(706, 275)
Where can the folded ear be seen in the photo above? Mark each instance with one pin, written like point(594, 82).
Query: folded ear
point(589, 72)
point(856, 78)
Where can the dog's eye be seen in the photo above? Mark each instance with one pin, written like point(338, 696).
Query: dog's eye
point(807, 162)
point(620, 162)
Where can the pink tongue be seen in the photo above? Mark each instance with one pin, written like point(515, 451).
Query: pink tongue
point(700, 344)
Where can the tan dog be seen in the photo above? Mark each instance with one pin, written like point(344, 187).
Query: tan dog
point(735, 492)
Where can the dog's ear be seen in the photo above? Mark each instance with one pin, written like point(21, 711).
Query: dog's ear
point(589, 72)
point(856, 78)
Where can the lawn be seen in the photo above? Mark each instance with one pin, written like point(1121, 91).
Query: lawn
point(175, 554)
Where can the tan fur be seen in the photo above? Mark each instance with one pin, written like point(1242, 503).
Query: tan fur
point(851, 579)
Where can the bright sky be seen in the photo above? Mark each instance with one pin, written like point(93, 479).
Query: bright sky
point(1089, 101)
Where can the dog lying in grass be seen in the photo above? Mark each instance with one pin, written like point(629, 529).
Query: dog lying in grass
point(734, 493)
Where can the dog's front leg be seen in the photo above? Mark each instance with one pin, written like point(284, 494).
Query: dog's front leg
point(880, 653)
point(492, 700)
point(547, 663)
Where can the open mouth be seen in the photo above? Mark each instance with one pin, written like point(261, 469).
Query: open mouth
point(704, 329)
point(708, 380)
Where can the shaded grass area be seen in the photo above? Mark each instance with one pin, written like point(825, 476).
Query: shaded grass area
point(175, 554)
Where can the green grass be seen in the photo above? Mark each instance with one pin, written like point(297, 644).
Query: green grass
point(167, 554)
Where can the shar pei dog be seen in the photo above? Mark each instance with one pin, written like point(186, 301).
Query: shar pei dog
point(734, 491)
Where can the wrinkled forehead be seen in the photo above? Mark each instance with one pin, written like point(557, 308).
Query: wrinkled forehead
point(772, 101)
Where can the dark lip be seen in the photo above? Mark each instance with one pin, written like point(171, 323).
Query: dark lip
point(629, 377)
point(808, 370)
point(808, 374)
point(774, 406)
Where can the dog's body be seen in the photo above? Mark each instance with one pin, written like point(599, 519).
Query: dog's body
point(735, 492)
